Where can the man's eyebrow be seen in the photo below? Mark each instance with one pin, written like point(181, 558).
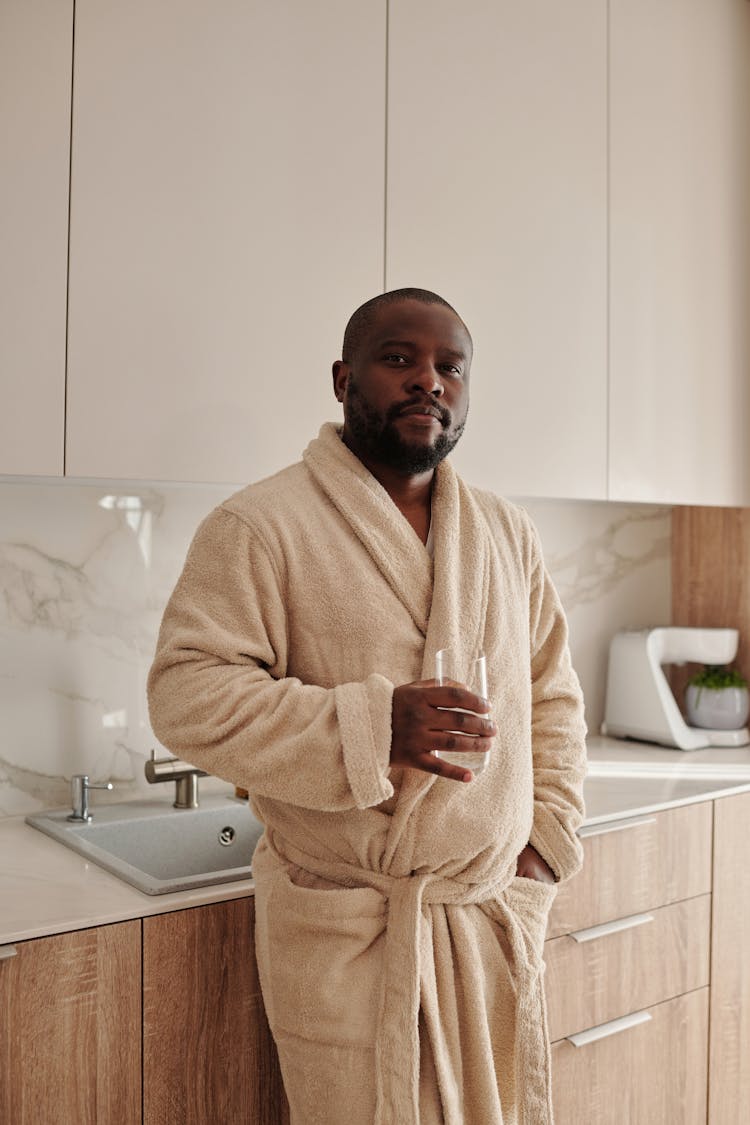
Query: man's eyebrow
point(449, 353)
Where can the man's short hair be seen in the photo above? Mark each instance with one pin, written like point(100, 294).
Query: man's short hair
point(361, 321)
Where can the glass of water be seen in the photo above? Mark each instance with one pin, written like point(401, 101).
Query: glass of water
point(448, 667)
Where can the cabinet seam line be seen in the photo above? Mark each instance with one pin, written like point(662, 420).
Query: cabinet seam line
point(67, 262)
point(143, 1025)
point(709, 1020)
point(385, 147)
point(608, 251)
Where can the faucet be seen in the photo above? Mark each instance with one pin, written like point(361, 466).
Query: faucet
point(183, 774)
point(79, 796)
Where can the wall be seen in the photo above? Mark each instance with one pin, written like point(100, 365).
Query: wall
point(85, 570)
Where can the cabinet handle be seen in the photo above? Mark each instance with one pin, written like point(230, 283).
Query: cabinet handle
point(602, 1030)
point(7, 951)
point(594, 932)
point(614, 826)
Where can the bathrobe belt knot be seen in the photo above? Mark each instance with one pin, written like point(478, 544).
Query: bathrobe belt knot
point(397, 1036)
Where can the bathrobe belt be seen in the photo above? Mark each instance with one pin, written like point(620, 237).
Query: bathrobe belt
point(397, 1035)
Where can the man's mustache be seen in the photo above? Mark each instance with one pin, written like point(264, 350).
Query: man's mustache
point(443, 414)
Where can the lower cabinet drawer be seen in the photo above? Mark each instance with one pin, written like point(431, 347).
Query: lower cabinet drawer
point(654, 1072)
point(636, 864)
point(598, 974)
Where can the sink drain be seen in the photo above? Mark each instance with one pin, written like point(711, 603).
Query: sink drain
point(226, 836)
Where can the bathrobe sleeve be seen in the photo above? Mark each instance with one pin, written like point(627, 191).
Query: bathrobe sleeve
point(558, 730)
point(219, 696)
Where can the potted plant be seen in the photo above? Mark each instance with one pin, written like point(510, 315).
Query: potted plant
point(717, 698)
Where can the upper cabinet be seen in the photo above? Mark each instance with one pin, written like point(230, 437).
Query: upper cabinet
point(680, 251)
point(497, 199)
point(35, 83)
point(574, 178)
point(227, 217)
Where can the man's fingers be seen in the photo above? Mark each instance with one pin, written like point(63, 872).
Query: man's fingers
point(456, 697)
point(463, 722)
point(459, 743)
point(430, 764)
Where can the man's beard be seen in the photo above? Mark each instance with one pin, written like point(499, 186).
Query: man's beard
point(381, 439)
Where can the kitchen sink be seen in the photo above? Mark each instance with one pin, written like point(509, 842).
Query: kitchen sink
point(160, 849)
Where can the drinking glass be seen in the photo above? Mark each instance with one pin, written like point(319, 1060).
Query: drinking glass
point(448, 666)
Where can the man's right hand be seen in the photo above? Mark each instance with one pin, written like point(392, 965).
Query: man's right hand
point(424, 719)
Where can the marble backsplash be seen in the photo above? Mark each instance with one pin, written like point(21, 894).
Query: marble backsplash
point(85, 571)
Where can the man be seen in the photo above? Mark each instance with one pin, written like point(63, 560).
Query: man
point(401, 903)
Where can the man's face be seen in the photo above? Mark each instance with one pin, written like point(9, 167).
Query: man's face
point(406, 390)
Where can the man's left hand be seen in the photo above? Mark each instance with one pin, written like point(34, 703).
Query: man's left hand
point(530, 865)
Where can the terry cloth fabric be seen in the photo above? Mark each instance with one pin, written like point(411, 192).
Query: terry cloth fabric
point(400, 957)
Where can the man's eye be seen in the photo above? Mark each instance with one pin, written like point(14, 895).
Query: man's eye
point(451, 369)
point(394, 358)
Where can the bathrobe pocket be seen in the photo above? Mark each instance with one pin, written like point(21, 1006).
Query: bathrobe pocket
point(529, 902)
point(320, 952)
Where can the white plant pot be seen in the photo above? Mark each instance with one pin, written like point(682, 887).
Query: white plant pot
point(717, 708)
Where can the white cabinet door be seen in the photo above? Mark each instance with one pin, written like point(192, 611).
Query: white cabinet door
point(497, 195)
point(227, 217)
point(680, 251)
point(36, 49)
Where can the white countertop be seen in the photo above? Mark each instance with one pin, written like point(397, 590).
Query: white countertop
point(47, 889)
point(632, 778)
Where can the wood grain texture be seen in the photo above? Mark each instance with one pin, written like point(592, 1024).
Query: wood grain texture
point(652, 1074)
point(70, 1017)
point(208, 1052)
point(597, 981)
point(637, 868)
point(711, 574)
point(729, 1083)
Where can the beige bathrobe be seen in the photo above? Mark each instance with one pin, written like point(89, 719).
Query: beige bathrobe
point(400, 957)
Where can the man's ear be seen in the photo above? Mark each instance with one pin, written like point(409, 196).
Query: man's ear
point(341, 372)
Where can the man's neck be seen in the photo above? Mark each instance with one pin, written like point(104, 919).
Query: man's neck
point(415, 503)
point(412, 494)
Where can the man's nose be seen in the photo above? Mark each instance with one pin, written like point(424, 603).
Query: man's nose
point(426, 379)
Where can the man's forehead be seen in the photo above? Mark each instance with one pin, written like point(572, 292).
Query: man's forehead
point(402, 320)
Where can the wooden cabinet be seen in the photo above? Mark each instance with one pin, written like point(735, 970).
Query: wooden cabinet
point(652, 1073)
point(35, 92)
point(227, 210)
point(207, 1050)
point(70, 1028)
point(497, 199)
point(680, 251)
point(729, 1088)
point(602, 973)
point(710, 588)
point(636, 864)
point(628, 968)
point(152, 1022)
point(711, 573)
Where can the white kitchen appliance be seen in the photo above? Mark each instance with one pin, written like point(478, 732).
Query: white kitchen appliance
point(640, 703)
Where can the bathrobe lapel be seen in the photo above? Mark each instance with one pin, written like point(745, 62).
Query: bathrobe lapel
point(448, 607)
point(390, 540)
point(464, 582)
point(448, 600)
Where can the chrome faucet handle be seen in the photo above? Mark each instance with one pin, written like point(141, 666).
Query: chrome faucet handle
point(182, 773)
point(79, 796)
